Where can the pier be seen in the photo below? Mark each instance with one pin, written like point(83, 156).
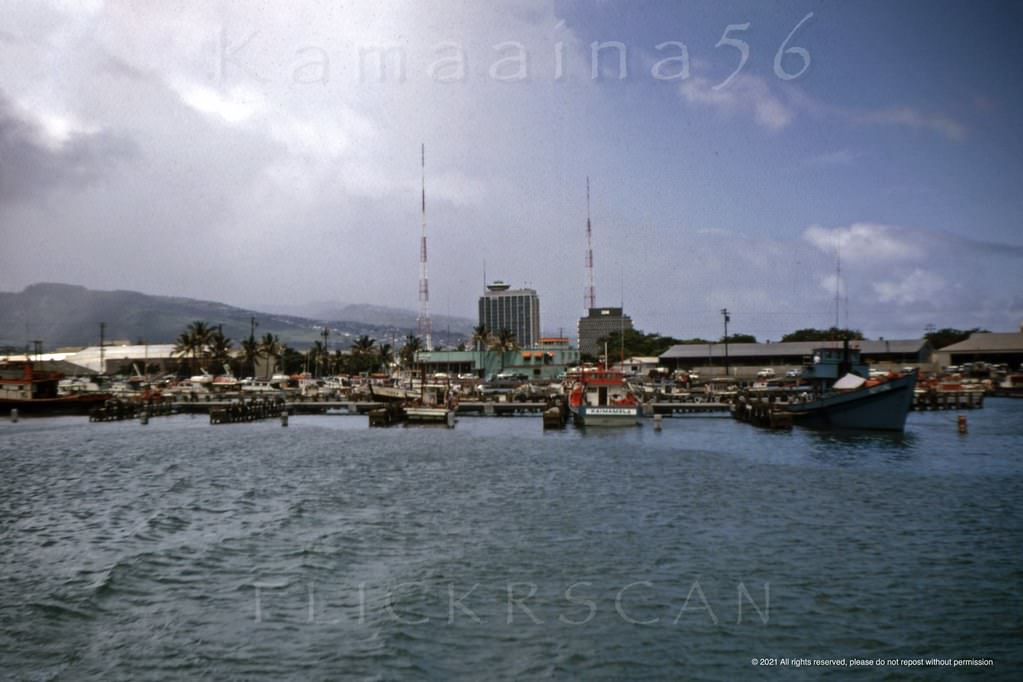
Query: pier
point(948, 400)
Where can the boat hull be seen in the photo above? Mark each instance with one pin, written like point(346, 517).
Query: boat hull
point(587, 415)
point(73, 404)
point(877, 408)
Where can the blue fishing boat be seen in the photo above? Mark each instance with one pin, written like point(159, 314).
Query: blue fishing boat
point(844, 396)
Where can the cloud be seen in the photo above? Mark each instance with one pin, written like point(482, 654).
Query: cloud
point(774, 105)
point(916, 286)
point(912, 118)
point(863, 242)
point(748, 94)
point(42, 151)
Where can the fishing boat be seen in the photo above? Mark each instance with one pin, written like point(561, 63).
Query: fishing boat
point(845, 396)
point(601, 397)
point(32, 390)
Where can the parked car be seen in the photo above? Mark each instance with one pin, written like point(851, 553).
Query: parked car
point(765, 373)
point(794, 372)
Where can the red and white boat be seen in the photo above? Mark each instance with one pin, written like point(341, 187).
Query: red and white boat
point(601, 397)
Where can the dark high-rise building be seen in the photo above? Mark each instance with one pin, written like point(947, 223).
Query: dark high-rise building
point(600, 323)
point(517, 310)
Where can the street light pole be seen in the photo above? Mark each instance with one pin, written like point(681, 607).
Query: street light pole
point(725, 314)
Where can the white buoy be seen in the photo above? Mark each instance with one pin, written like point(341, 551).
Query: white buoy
point(284, 418)
point(14, 415)
point(658, 419)
point(144, 417)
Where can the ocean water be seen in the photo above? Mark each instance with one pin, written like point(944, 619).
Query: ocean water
point(708, 551)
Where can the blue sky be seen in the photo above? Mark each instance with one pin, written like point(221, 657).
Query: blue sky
point(252, 154)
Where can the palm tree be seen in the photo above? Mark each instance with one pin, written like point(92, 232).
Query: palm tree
point(183, 347)
point(363, 345)
point(318, 355)
point(270, 347)
point(386, 355)
point(193, 341)
point(504, 341)
point(250, 350)
point(219, 348)
point(413, 344)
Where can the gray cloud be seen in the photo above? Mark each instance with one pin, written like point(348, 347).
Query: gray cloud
point(29, 167)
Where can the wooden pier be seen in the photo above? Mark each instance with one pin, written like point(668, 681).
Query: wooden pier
point(761, 412)
point(948, 400)
point(248, 411)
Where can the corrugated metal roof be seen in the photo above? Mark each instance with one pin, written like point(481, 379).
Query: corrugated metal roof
point(1011, 342)
point(790, 348)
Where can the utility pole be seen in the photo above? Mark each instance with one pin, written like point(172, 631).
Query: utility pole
point(102, 341)
point(324, 357)
point(252, 343)
point(725, 314)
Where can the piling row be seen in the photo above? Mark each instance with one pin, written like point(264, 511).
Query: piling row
point(948, 400)
point(248, 411)
point(761, 412)
point(117, 410)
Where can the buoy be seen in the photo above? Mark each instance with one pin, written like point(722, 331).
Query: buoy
point(14, 415)
point(284, 418)
point(962, 423)
point(144, 417)
point(657, 422)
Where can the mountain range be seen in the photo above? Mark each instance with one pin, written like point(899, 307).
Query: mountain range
point(68, 315)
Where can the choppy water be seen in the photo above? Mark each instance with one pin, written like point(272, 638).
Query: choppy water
point(495, 550)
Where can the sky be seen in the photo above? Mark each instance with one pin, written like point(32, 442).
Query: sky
point(794, 162)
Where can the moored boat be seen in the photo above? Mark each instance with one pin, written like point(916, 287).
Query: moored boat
point(846, 397)
point(601, 397)
point(31, 390)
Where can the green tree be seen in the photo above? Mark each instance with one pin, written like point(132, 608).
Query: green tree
point(194, 341)
point(407, 354)
point(830, 334)
point(250, 351)
point(738, 338)
point(219, 347)
point(292, 362)
point(946, 337)
point(270, 348)
point(385, 354)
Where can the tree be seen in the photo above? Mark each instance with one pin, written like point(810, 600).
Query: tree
point(270, 348)
point(413, 344)
point(318, 355)
point(219, 349)
point(480, 338)
point(250, 351)
point(385, 353)
point(193, 341)
point(292, 361)
point(946, 337)
point(738, 338)
point(636, 343)
point(504, 340)
point(830, 334)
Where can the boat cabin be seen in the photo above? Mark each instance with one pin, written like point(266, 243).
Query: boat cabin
point(829, 364)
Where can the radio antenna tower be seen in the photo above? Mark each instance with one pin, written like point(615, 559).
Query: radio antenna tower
point(589, 294)
point(423, 325)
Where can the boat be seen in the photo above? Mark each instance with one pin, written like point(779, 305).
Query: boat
point(601, 397)
point(845, 396)
point(32, 390)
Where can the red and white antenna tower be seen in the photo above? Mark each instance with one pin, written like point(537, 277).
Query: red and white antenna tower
point(589, 293)
point(424, 327)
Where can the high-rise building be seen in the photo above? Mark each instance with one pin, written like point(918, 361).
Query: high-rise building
point(598, 324)
point(517, 310)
